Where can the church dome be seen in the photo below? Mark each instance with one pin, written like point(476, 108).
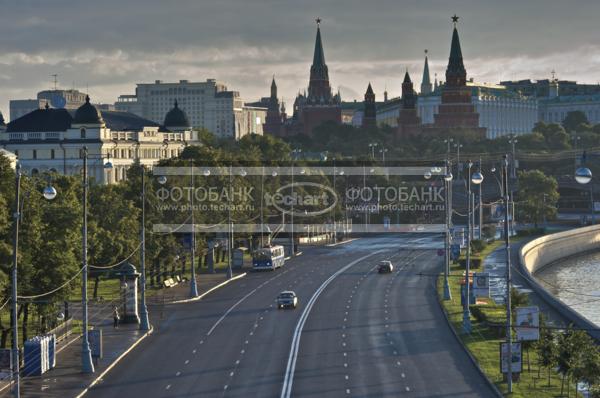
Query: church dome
point(176, 118)
point(88, 114)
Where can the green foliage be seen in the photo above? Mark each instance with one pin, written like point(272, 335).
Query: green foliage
point(537, 195)
point(575, 121)
point(478, 245)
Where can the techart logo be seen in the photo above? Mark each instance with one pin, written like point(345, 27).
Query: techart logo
point(303, 199)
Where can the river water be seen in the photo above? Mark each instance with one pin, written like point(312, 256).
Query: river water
point(576, 281)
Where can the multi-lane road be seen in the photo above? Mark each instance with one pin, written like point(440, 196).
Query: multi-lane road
point(356, 333)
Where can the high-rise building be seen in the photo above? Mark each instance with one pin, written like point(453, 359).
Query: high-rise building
point(67, 99)
point(208, 104)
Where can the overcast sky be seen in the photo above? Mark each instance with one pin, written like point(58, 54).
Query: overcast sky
point(110, 45)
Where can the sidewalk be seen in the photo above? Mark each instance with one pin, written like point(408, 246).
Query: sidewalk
point(66, 379)
point(495, 264)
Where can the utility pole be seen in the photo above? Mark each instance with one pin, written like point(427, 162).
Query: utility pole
point(193, 285)
point(513, 141)
point(86, 354)
point(448, 187)
point(467, 297)
point(480, 207)
point(15, 323)
point(144, 321)
point(508, 277)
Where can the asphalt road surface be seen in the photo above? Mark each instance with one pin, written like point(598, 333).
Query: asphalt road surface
point(356, 333)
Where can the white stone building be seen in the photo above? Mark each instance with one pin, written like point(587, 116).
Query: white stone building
point(501, 111)
point(52, 140)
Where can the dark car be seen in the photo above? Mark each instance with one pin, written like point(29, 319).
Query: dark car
point(385, 267)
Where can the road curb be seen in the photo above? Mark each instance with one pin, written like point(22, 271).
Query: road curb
point(212, 289)
point(114, 363)
point(460, 342)
point(342, 242)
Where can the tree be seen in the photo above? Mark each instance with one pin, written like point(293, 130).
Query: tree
point(574, 120)
point(537, 196)
point(546, 348)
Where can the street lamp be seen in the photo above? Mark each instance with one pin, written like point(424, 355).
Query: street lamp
point(467, 297)
point(383, 150)
point(508, 275)
point(144, 321)
point(513, 141)
point(86, 355)
point(295, 152)
point(458, 145)
point(448, 187)
point(49, 193)
point(372, 145)
point(193, 284)
point(583, 176)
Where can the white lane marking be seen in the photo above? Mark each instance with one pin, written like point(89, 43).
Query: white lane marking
point(237, 362)
point(407, 388)
point(347, 391)
point(231, 374)
point(177, 374)
point(193, 351)
point(187, 361)
point(286, 390)
point(225, 387)
point(403, 375)
point(346, 377)
point(212, 329)
point(167, 387)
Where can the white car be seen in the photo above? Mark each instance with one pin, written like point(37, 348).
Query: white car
point(385, 267)
point(287, 299)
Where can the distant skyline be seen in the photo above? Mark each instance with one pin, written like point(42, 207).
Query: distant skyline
point(111, 45)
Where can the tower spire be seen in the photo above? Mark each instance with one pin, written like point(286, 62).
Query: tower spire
point(426, 82)
point(456, 75)
point(319, 89)
point(273, 89)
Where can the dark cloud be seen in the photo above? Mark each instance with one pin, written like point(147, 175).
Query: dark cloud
point(112, 44)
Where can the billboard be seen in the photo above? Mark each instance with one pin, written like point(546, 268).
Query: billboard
point(528, 323)
point(481, 284)
point(516, 360)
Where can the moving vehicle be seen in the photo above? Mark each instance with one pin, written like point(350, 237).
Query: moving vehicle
point(385, 267)
point(287, 298)
point(271, 257)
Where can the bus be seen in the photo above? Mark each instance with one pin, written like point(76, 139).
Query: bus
point(268, 258)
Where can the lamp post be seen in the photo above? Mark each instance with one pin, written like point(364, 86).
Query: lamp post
point(448, 142)
point(144, 321)
point(508, 276)
point(448, 187)
point(49, 193)
point(193, 285)
point(458, 145)
point(583, 176)
point(383, 150)
point(295, 153)
point(480, 213)
point(87, 366)
point(372, 145)
point(513, 141)
point(334, 190)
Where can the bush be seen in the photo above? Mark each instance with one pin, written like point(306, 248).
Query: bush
point(478, 245)
point(475, 263)
point(489, 232)
point(531, 231)
point(492, 316)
